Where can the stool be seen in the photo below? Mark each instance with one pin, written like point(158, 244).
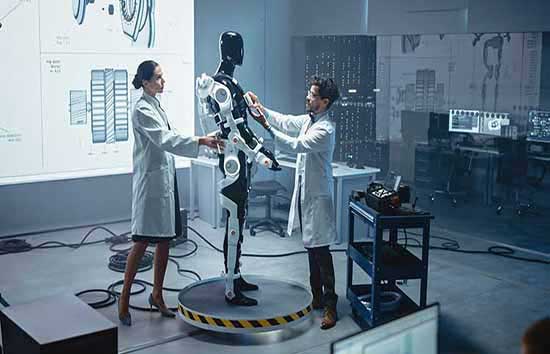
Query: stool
point(59, 324)
point(267, 189)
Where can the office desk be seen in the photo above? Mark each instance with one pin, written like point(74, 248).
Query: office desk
point(492, 155)
point(207, 172)
point(346, 179)
point(544, 161)
point(204, 175)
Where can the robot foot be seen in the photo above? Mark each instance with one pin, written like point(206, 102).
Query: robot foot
point(241, 300)
point(243, 285)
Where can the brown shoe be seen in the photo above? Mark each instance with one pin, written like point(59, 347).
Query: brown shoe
point(329, 318)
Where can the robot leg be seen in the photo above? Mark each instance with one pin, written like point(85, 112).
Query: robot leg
point(233, 232)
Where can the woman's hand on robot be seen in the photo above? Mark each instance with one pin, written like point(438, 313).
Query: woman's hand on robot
point(212, 142)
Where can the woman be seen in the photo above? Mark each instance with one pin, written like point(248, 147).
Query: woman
point(155, 206)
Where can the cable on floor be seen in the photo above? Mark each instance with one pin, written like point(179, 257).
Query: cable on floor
point(453, 246)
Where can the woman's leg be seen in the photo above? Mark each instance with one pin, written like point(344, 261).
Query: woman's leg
point(161, 261)
point(132, 264)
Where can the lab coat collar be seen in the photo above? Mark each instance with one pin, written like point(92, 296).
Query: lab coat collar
point(151, 99)
point(318, 117)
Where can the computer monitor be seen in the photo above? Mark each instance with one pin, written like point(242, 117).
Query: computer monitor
point(538, 128)
point(464, 121)
point(412, 334)
point(439, 126)
point(492, 122)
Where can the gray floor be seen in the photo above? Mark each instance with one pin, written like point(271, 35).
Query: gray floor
point(486, 301)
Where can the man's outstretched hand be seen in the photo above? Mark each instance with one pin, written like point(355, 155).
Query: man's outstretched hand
point(257, 106)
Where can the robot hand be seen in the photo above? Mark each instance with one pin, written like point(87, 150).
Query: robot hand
point(263, 160)
point(204, 86)
point(274, 163)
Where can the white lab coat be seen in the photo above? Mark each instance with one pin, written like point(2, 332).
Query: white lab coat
point(153, 203)
point(315, 146)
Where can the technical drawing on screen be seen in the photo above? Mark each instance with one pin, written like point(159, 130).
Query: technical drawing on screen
point(67, 107)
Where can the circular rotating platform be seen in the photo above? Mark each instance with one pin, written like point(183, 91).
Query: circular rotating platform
point(281, 304)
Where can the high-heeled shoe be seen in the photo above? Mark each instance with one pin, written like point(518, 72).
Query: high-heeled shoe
point(125, 319)
point(164, 311)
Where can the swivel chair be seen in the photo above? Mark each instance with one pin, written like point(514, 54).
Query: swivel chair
point(460, 169)
point(268, 190)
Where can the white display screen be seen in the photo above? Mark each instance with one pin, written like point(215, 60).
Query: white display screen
point(415, 333)
point(67, 68)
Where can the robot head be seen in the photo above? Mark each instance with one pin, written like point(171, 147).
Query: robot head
point(231, 48)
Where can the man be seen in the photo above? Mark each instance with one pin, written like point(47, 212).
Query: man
point(536, 339)
point(313, 189)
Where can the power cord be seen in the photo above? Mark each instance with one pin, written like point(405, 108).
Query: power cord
point(3, 301)
point(453, 246)
point(117, 263)
point(256, 255)
point(10, 246)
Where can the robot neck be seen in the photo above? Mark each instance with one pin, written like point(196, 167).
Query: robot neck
point(227, 68)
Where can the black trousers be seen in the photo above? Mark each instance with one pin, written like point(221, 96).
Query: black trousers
point(321, 275)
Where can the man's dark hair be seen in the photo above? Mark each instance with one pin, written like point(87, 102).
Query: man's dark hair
point(327, 89)
point(536, 338)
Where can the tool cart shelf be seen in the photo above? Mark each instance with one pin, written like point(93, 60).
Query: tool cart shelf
point(386, 262)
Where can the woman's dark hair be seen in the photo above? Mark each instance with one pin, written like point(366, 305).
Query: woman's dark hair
point(145, 71)
point(327, 89)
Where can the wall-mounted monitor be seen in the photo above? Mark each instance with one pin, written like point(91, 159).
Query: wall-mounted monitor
point(538, 128)
point(464, 121)
point(477, 122)
point(491, 123)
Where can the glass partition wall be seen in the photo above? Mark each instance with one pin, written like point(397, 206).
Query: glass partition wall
point(463, 119)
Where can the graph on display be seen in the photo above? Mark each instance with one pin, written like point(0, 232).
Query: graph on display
point(68, 113)
point(351, 62)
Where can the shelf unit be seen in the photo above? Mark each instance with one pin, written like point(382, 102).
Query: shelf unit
point(385, 261)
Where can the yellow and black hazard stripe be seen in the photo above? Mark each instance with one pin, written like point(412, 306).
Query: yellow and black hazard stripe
point(224, 323)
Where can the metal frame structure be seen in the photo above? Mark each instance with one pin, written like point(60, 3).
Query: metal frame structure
point(369, 256)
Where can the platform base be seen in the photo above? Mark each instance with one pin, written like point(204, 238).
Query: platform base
point(281, 304)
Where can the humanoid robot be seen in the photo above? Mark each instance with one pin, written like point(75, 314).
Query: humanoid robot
point(223, 101)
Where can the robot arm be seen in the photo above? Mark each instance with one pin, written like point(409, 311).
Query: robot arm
point(207, 112)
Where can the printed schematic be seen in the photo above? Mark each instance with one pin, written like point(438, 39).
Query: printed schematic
point(108, 106)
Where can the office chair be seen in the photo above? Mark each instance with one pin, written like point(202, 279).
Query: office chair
point(268, 190)
point(264, 191)
point(512, 174)
point(460, 167)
